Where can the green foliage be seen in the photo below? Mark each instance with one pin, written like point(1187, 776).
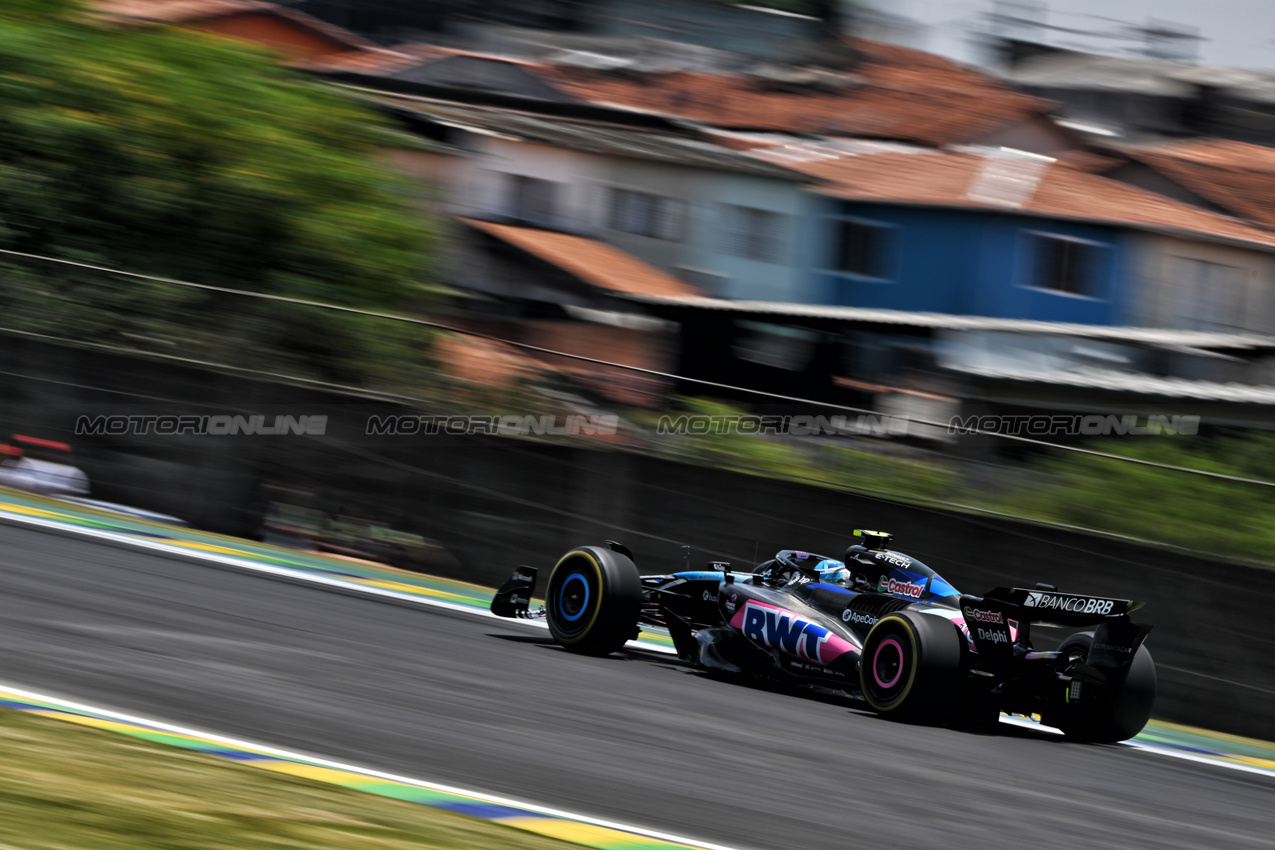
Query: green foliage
point(734, 449)
point(903, 477)
point(182, 155)
point(1226, 517)
point(824, 462)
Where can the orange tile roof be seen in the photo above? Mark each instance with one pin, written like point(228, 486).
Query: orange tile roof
point(192, 11)
point(1086, 160)
point(894, 93)
point(1221, 153)
point(177, 10)
point(592, 262)
point(1238, 177)
point(953, 178)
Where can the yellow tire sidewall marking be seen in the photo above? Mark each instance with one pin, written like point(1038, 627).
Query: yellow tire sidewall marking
point(915, 650)
point(597, 608)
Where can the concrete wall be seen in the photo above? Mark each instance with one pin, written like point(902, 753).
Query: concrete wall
point(1161, 298)
point(495, 503)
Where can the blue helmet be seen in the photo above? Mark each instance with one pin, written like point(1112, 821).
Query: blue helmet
point(833, 572)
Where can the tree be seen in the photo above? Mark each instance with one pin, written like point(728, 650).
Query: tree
point(183, 155)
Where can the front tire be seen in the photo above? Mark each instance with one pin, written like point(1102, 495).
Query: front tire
point(1122, 711)
point(911, 666)
point(593, 600)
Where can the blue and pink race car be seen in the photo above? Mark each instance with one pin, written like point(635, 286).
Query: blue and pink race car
point(876, 624)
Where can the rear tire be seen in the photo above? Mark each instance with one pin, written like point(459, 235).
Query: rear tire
point(593, 600)
point(1122, 711)
point(911, 666)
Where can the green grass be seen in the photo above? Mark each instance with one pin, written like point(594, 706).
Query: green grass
point(64, 786)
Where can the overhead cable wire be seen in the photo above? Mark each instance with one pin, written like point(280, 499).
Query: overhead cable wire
point(926, 504)
point(655, 373)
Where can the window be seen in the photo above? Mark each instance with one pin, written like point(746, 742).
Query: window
point(863, 249)
point(532, 200)
point(754, 233)
point(1210, 295)
point(646, 215)
point(1065, 265)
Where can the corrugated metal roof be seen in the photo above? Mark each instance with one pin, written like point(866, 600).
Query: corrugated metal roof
point(591, 136)
point(1098, 379)
point(1165, 337)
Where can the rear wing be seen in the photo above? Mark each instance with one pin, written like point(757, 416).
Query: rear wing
point(1064, 609)
point(996, 620)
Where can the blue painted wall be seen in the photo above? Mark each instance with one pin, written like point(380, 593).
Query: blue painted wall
point(742, 278)
point(964, 262)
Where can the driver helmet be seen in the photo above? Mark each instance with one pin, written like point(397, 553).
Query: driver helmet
point(833, 572)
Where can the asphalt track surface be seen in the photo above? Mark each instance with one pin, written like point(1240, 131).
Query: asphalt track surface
point(491, 705)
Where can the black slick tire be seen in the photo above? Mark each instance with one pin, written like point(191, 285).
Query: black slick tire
point(911, 666)
point(593, 600)
point(1121, 710)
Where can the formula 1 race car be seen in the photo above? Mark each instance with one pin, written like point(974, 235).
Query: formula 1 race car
point(878, 625)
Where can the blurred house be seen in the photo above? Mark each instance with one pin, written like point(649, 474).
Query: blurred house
point(929, 267)
point(660, 165)
point(898, 228)
point(561, 213)
point(647, 186)
point(891, 93)
point(1145, 98)
point(997, 232)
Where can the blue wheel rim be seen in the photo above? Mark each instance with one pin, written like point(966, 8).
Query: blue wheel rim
point(562, 597)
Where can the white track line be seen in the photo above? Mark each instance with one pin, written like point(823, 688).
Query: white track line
point(266, 749)
point(312, 578)
point(284, 572)
point(1196, 757)
point(1158, 749)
